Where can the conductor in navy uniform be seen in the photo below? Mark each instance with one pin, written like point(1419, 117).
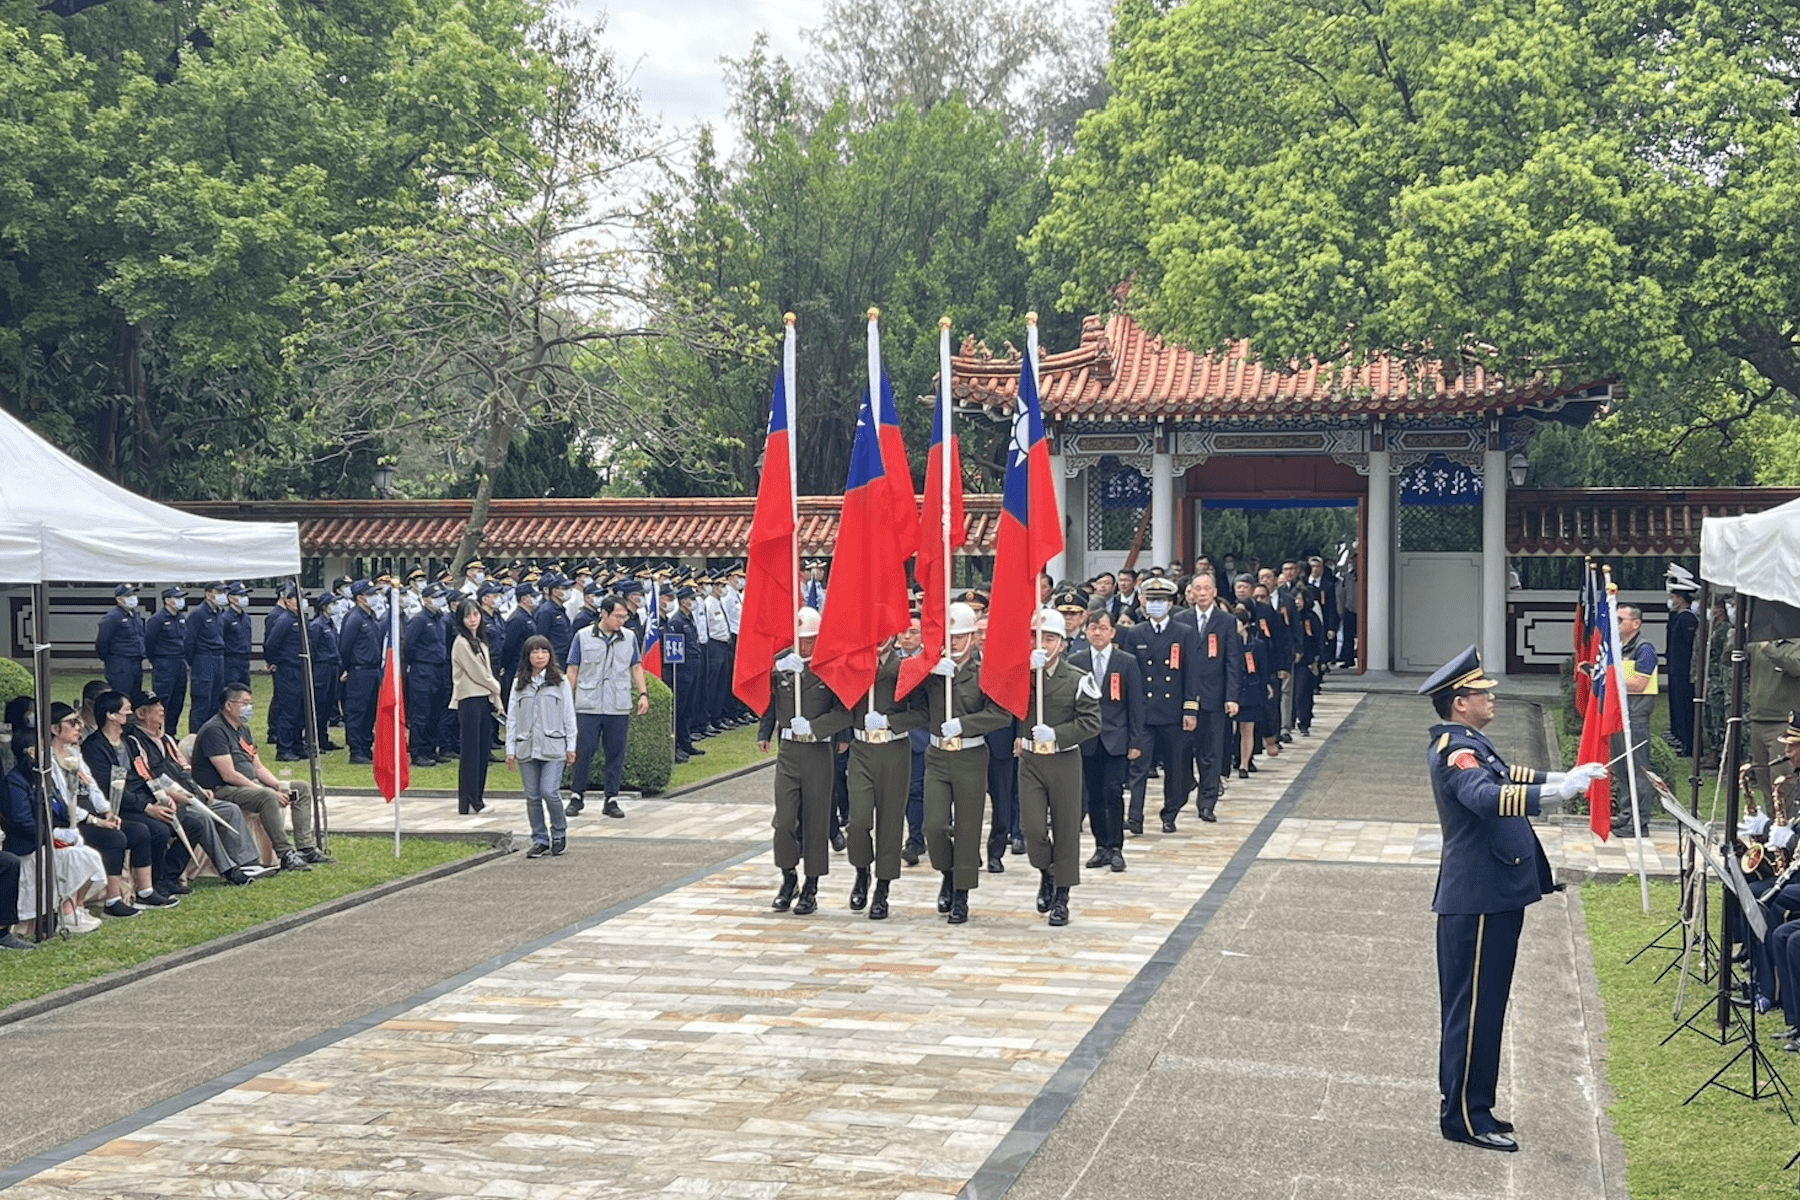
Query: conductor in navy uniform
point(1492, 867)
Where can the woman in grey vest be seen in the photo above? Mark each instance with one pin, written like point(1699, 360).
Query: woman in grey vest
point(540, 742)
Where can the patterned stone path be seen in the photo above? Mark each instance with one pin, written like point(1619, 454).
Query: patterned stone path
point(699, 1045)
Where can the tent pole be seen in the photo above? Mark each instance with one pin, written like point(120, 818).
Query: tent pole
point(321, 828)
point(1728, 910)
point(45, 863)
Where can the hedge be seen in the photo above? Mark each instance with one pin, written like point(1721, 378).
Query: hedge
point(14, 681)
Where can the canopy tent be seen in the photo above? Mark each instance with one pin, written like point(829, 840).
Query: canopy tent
point(61, 522)
point(1754, 555)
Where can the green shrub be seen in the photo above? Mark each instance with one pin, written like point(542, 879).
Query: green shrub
point(14, 681)
point(650, 748)
point(1571, 717)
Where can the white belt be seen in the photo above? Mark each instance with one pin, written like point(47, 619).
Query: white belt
point(788, 735)
point(956, 743)
point(875, 737)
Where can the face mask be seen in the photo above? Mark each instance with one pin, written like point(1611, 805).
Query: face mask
point(172, 604)
point(218, 602)
point(1157, 609)
point(344, 591)
point(1670, 605)
point(131, 602)
point(380, 607)
point(241, 601)
point(479, 577)
point(249, 711)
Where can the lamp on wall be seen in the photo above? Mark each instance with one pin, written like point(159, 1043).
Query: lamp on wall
point(1515, 466)
point(383, 480)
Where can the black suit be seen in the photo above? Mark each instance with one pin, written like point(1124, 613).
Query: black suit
point(1166, 659)
point(1104, 758)
point(1219, 670)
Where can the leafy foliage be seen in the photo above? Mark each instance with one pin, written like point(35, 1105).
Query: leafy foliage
point(650, 746)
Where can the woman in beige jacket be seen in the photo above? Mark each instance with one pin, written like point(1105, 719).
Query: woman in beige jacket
point(475, 695)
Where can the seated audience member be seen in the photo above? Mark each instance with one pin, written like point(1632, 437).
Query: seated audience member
point(226, 761)
point(158, 764)
point(77, 870)
point(148, 821)
point(12, 870)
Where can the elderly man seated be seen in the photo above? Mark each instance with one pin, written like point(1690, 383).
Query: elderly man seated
point(216, 826)
point(226, 761)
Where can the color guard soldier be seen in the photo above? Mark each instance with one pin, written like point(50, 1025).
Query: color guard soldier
point(808, 715)
point(1166, 652)
point(956, 773)
point(1491, 868)
point(1064, 713)
point(880, 778)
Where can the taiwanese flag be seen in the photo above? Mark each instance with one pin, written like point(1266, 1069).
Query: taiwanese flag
point(941, 532)
point(772, 576)
point(393, 766)
point(652, 654)
point(1605, 717)
point(1584, 637)
point(878, 532)
point(1030, 535)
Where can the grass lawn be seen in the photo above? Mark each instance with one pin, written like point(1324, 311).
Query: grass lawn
point(214, 909)
point(1721, 1144)
point(727, 752)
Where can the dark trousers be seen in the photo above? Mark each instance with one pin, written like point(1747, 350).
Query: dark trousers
point(840, 784)
point(206, 675)
point(361, 692)
point(879, 778)
point(1168, 745)
point(10, 866)
point(1050, 809)
point(1268, 725)
point(915, 796)
point(1347, 623)
point(169, 677)
point(955, 782)
point(802, 821)
point(1207, 747)
point(325, 700)
point(1306, 685)
point(1103, 778)
point(600, 731)
point(474, 717)
point(1681, 712)
point(1475, 954)
point(237, 669)
point(125, 676)
point(1003, 791)
point(692, 678)
point(711, 699)
point(287, 712)
point(427, 704)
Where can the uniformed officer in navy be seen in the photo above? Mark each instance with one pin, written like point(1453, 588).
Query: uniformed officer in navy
point(1166, 651)
point(326, 667)
point(1491, 868)
point(165, 640)
point(362, 647)
point(281, 650)
point(520, 625)
point(236, 630)
point(204, 648)
point(680, 624)
point(806, 715)
point(120, 643)
point(426, 653)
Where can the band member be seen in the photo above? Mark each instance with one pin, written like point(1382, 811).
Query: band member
point(1064, 713)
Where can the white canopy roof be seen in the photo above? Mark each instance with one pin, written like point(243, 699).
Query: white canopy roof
point(1754, 553)
point(61, 522)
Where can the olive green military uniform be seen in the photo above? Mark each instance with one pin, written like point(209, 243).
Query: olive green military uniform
point(880, 773)
point(1050, 784)
point(956, 780)
point(803, 770)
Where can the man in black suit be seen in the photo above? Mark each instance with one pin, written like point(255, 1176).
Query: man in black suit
point(1219, 669)
point(1491, 867)
point(1104, 759)
point(1165, 650)
point(1106, 594)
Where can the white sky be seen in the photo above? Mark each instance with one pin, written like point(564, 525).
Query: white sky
point(673, 47)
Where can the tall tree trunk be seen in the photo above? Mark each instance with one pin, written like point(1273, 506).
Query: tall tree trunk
point(129, 392)
point(501, 423)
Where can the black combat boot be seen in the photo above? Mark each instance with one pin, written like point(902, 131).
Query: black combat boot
point(878, 907)
point(859, 891)
point(785, 897)
point(1059, 907)
point(944, 894)
point(808, 903)
point(1046, 885)
point(959, 906)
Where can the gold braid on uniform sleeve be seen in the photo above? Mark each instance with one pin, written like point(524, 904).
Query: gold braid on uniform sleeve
point(1525, 775)
point(1513, 798)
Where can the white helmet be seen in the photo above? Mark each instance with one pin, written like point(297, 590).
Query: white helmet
point(809, 622)
point(962, 619)
point(1048, 620)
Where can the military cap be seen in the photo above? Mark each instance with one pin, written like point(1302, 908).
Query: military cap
point(418, 572)
point(490, 588)
point(219, 586)
point(684, 592)
point(174, 592)
point(1158, 588)
point(524, 589)
point(1461, 672)
point(324, 600)
point(474, 564)
point(287, 591)
point(1068, 600)
point(238, 588)
point(974, 598)
point(1793, 730)
point(362, 587)
point(630, 587)
point(125, 589)
point(594, 589)
point(433, 591)
point(444, 576)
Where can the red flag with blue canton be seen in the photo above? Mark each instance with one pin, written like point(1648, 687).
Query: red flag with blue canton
point(1605, 715)
point(652, 654)
point(1030, 535)
point(393, 765)
point(933, 567)
point(1584, 636)
point(877, 533)
point(772, 581)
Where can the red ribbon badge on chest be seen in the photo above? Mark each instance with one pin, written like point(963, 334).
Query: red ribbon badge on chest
point(1175, 657)
point(1114, 676)
point(1250, 661)
point(1212, 645)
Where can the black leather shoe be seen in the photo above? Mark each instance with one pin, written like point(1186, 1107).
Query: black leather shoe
point(996, 865)
point(909, 853)
point(1135, 828)
point(1059, 907)
point(1168, 827)
point(1116, 860)
point(859, 891)
point(1486, 1141)
point(1502, 1126)
point(1018, 845)
point(944, 894)
point(1099, 859)
point(837, 839)
point(1243, 772)
point(808, 902)
point(361, 760)
point(785, 897)
point(1206, 814)
point(959, 906)
point(612, 809)
point(1046, 888)
point(878, 906)
point(696, 752)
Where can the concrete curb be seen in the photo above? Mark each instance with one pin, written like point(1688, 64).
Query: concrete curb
point(671, 794)
point(26, 1009)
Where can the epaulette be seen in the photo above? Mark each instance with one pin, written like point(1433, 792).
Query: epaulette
point(1443, 743)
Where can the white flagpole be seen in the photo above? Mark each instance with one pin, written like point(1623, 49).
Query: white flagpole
point(1031, 358)
point(787, 398)
point(399, 684)
point(1618, 681)
point(875, 412)
point(946, 415)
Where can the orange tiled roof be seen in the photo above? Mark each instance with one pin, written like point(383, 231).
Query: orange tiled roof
point(1120, 372)
point(683, 527)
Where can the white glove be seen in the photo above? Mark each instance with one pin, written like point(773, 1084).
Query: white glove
point(801, 727)
point(1588, 774)
point(945, 667)
point(875, 721)
point(951, 728)
point(1554, 779)
point(789, 662)
point(1039, 658)
point(1043, 733)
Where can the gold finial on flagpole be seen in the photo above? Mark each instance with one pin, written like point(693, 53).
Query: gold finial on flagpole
point(1031, 317)
point(943, 322)
point(874, 313)
point(788, 318)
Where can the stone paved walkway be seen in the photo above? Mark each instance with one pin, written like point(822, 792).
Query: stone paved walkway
point(699, 1045)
